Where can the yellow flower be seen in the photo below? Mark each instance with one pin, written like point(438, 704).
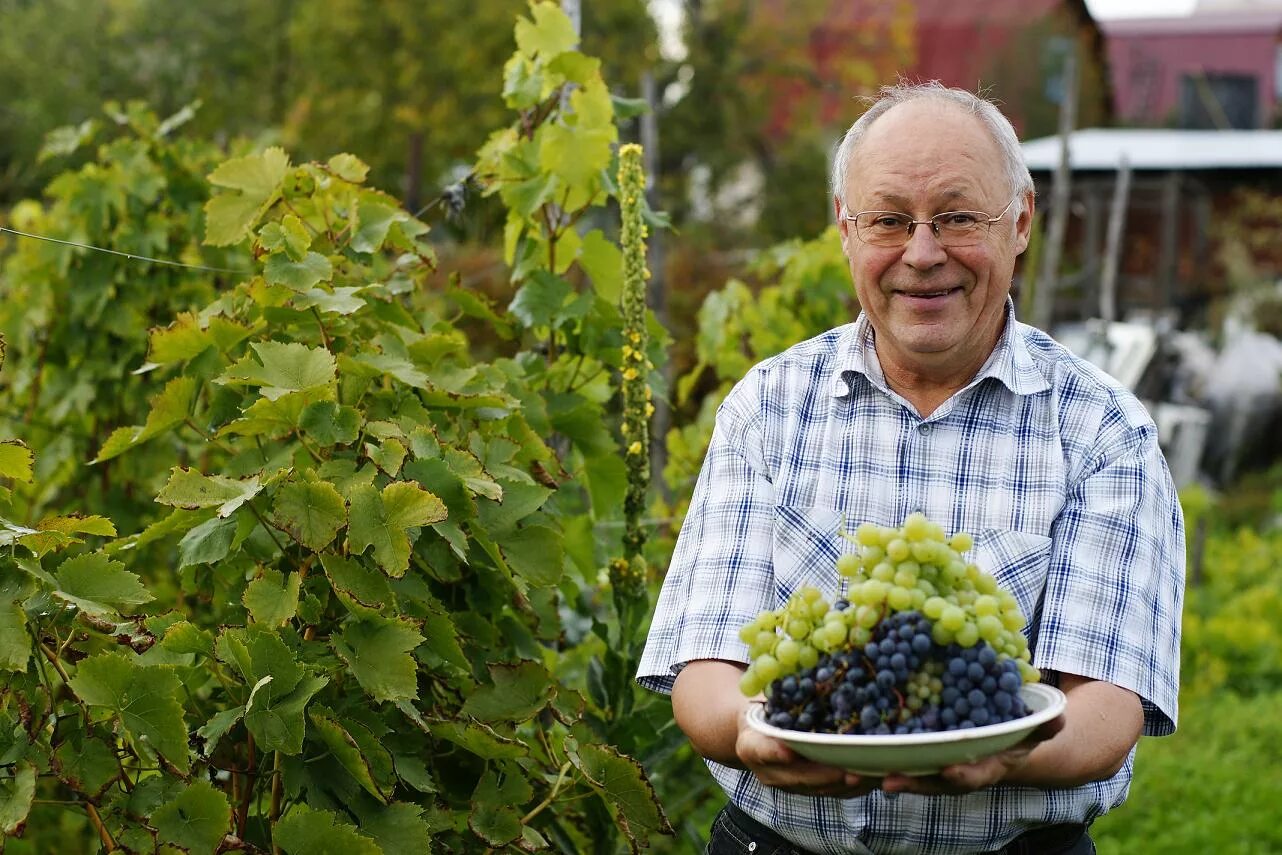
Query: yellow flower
point(635, 447)
point(649, 410)
point(630, 374)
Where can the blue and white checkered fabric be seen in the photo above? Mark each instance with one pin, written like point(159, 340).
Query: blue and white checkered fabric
point(1052, 466)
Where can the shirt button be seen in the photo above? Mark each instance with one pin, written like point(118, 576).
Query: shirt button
point(923, 429)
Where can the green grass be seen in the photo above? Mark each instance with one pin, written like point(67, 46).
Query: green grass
point(1213, 786)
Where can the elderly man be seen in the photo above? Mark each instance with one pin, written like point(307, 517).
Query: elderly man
point(937, 400)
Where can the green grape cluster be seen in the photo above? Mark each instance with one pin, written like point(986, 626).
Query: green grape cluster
point(913, 568)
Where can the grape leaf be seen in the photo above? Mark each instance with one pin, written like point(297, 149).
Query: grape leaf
point(311, 512)
point(98, 585)
point(144, 698)
point(196, 820)
point(217, 726)
point(537, 553)
point(86, 764)
point(299, 276)
point(603, 262)
point(186, 338)
point(541, 300)
point(257, 179)
point(549, 34)
point(186, 637)
point(16, 794)
point(169, 408)
point(289, 235)
point(283, 367)
point(382, 521)
point(305, 831)
point(398, 827)
point(282, 687)
point(495, 816)
point(480, 740)
point(348, 167)
point(330, 424)
point(351, 579)
point(375, 220)
point(272, 599)
point(517, 693)
point(190, 489)
point(15, 644)
point(208, 542)
point(345, 750)
point(623, 784)
point(340, 301)
point(377, 650)
point(15, 460)
point(277, 721)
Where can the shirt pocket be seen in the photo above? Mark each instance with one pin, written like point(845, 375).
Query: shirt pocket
point(1019, 561)
point(806, 545)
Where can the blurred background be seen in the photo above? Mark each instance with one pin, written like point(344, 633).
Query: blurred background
point(1152, 130)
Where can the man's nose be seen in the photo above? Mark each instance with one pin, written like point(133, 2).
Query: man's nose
point(923, 249)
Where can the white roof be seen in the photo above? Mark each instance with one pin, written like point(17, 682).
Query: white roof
point(1159, 149)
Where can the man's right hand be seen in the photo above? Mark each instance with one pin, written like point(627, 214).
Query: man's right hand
point(709, 707)
point(777, 765)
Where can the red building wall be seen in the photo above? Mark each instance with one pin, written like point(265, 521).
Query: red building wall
point(1148, 59)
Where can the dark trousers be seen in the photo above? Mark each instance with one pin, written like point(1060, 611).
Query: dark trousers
point(736, 833)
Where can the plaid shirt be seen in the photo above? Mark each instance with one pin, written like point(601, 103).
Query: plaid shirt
point(1048, 462)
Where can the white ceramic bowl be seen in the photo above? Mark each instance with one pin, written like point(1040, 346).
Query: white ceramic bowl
point(917, 753)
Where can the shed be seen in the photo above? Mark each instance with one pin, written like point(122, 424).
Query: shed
point(1183, 184)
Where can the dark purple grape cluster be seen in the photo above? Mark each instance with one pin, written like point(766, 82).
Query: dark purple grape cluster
point(900, 682)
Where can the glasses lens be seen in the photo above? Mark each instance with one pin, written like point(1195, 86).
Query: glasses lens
point(959, 228)
point(882, 228)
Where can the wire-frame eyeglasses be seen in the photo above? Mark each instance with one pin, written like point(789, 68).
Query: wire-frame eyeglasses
point(951, 228)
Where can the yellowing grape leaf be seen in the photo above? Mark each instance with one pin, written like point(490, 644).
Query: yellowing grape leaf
point(15, 460)
point(550, 33)
point(190, 489)
point(255, 182)
point(311, 512)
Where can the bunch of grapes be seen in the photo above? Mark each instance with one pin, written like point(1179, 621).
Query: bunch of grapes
point(924, 641)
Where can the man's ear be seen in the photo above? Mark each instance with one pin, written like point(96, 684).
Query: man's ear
point(843, 225)
point(1024, 223)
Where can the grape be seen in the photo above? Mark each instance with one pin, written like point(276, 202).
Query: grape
point(922, 640)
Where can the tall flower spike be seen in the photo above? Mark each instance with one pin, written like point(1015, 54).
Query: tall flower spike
point(636, 368)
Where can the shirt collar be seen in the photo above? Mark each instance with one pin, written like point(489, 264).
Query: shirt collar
point(1010, 363)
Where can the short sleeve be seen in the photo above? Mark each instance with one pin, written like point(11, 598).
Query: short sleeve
point(1115, 586)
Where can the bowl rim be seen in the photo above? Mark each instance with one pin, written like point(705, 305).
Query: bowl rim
point(1051, 700)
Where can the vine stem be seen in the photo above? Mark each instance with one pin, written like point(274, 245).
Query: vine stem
point(276, 791)
point(267, 528)
point(103, 833)
point(242, 816)
point(324, 332)
point(556, 788)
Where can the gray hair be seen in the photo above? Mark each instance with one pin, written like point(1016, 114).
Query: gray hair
point(999, 127)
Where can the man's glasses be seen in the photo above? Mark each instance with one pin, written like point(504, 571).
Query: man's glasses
point(951, 228)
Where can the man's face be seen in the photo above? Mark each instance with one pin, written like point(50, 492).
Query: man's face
point(933, 306)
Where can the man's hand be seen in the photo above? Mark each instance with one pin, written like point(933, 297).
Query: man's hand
point(777, 765)
point(968, 777)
